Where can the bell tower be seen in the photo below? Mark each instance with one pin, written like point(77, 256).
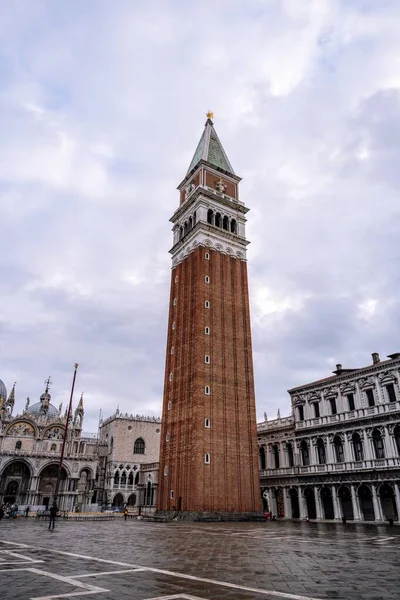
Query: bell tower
point(209, 452)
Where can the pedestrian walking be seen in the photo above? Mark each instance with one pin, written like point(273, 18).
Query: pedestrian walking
point(28, 508)
point(125, 513)
point(53, 514)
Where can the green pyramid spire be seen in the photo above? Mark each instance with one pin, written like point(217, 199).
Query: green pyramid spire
point(210, 149)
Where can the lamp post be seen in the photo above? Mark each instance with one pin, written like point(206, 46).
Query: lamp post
point(65, 436)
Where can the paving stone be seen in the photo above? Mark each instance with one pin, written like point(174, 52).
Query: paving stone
point(321, 561)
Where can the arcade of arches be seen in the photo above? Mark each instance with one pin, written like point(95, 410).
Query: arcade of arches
point(353, 502)
point(19, 484)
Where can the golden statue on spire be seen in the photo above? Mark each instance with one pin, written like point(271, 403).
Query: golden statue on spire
point(210, 115)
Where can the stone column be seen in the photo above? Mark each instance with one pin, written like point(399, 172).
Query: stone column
point(302, 504)
point(368, 455)
point(377, 504)
point(318, 504)
point(348, 456)
point(287, 504)
point(397, 498)
point(388, 442)
point(356, 506)
point(336, 504)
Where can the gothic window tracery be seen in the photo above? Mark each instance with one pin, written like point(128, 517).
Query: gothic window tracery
point(139, 446)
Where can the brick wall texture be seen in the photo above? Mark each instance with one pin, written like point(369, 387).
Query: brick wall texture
point(230, 483)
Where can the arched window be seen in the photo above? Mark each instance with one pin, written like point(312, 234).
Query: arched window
point(321, 455)
point(289, 449)
point(339, 453)
point(263, 464)
point(185, 227)
point(210, 216)
point(397, 438)
point(233, 226)
point(316, 409)
point(378, 444)
point(300, 410)
point(53, 448)
point(18, 445)
point(275, 451)
point(305, 456)
point(130, 478)
point(358, 447)
point(190, 223)
point(225, 223)
point(332, 402)
point(180, 232)
point(123, 478)
point(218, 219)
point(139, 446)
point(116, 478)
point(137, 478)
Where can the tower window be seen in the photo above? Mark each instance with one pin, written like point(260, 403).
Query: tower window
point(169, 405)
point(207, 359)
point(173, 325)
point(171, 494)
point(18, 445)
point(332, 402)
point(316, 410)
point(370, 397)
point(176, 278)
point(391, 392)
point(207, 256)
point(172, 350)
point(350, 400)
point(170, 376)
point(207, 390)
point(174, 301)
point(207, 279)
point(165, 471)
point(207, 330)
point(207, 304)
point(207, 458)
point(300, 410)
point(167, 437)
point(207, 423)
point(233, 226)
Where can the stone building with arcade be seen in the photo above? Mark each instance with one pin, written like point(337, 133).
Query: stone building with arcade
point(338, 454)
point(129, 447)
point(30, 446)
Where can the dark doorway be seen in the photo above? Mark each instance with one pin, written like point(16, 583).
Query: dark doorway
point(388, 502)
point(346, 503)
point(327, 503)
point(294, 497)
point(180, 503)
point(310, 501)
point(366, 504)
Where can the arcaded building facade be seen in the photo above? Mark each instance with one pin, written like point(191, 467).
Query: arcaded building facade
point(338, 455)
point(129, 460)
point(208, 459)
point(30, 446)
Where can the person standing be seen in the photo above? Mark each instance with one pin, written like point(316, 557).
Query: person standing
point(53, 514)
point(125, 513)
point(28, 508)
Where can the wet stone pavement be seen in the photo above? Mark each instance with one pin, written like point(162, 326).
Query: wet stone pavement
point(137, 560)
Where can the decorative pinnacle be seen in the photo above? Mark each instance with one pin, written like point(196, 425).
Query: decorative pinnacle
point(210, 115)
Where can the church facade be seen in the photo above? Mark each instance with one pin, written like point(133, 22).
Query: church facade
point(30, 447)
point(338, 455)
point(208, 457)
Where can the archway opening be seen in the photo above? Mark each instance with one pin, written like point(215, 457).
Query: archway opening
point(262, 458)
point(366, 503)
point(327, 503)
point(14, 483)
point(132, 500)
point(294, 498)
point(388, 502)
point(118, 500)
point(48, 482)
point(346, 503)
point(310, 502)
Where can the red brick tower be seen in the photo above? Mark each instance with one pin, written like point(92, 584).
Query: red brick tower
point(209, 453)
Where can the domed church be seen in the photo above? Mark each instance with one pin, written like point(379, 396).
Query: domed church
point(30, 448)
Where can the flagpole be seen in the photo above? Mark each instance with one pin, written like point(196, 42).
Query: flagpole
point(65, 437)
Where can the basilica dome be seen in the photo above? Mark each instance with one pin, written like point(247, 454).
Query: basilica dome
point(3, 390)
point(36, 410)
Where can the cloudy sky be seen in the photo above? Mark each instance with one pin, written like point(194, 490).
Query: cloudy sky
point(102, 104)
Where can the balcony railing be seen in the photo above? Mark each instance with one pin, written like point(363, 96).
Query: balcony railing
point(375, 463)
point(360, 413)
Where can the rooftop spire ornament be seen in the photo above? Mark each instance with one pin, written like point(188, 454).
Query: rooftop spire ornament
point(210, 115)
